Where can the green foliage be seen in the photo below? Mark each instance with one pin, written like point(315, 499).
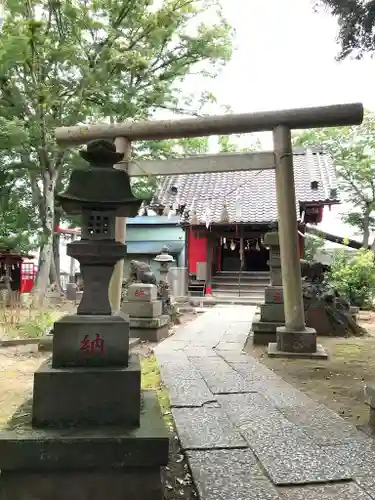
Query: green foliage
point(63, 63)
point(353, 152)
point(38, 326)
point(18, 218)
point(354, 277)
point(313, 245)
point(356, 19)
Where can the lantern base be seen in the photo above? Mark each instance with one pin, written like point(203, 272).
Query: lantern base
point(90, 464)
point(87, 397)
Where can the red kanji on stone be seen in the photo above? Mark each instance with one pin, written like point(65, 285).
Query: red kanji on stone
point(85, 344)
point(97, 345)
point(93, 346)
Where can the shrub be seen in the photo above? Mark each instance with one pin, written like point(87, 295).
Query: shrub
point(312, 246)
point(354, 277)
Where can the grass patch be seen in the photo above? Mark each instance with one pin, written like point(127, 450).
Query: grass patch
point(151, 381)
point(26, 323)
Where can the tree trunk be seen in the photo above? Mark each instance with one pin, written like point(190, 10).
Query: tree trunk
point(46, 251)
point(366, 229)
point(54, 274)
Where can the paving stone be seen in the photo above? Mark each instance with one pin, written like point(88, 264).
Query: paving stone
point(254, 411)
point(229, 346)
point(283, 448)
point(236, 338)
point(229, 475)
point(291, 458)
point(220, 377)
point(367, 483)
point(356, 454)
point(176, 365)
point(281, 394)
point(321, 424)
point(234, 357)
point(206, 428)
point(204, 352)
point(171, 345)
point(345, 491)
point(254, 371)
point(189, 392)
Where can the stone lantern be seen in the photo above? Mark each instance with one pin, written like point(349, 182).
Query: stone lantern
point(165, 258)
point(85, 426)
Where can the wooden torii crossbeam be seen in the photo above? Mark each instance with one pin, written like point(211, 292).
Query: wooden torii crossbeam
point(279, 122)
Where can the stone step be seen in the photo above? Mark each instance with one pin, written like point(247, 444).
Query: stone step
point(243, 286)
point(258, 294)
point(212, 301)
point(243, 273)
point(244, 279)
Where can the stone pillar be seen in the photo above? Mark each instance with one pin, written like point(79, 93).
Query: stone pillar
point(271, 314)
point(294, 338)
point(370, 400)
point(147, 320)
point(83, 435)
point(123, 146)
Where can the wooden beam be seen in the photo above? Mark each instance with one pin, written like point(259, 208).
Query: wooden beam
point(302, 118)
point(224, 162)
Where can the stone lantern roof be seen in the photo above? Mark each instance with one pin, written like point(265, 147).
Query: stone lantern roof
point(100, 187)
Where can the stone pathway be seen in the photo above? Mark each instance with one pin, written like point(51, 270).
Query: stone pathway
point(249, 435)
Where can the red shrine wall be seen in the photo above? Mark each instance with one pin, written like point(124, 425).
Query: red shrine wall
point(197, 250)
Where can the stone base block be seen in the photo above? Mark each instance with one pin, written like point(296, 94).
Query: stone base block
point(89, 340)
point(264, 332)
point(273, 352)
point(143, 309)
point(263, 338)
point(24, 449)
point(149, 322)
point(274, 294)
point(369, 391)
point(86, 485)
point(87, 396)
point(151, 334)
point(302, 341)
point(272, 312)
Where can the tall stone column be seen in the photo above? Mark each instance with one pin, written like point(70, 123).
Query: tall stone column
point(83, 435)
point(293, 339)
point(123, 146)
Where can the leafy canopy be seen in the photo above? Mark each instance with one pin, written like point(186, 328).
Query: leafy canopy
point(353, 152)
point(356, 19)
point(354, 277)
point(81, 61)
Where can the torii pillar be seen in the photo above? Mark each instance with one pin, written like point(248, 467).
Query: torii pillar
point(294, 339)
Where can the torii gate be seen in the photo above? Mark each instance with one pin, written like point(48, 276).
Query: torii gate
point(280, 122)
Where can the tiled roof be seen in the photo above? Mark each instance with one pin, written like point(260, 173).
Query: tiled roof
point(253, 190)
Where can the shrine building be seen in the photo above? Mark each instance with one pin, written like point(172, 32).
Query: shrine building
point(225, 216)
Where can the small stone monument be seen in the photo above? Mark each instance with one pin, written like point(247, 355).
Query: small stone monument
point(271, 314)
point(147, 320)
point(164, 258)
point(90, 433)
